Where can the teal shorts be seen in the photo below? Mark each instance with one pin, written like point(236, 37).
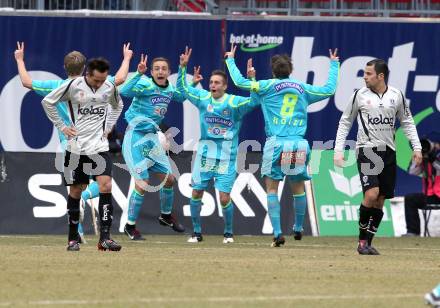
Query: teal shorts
point(222, 172)
point(286, 157)
point(144, 153)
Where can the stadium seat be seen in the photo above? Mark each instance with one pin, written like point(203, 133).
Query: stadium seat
point(427, 215)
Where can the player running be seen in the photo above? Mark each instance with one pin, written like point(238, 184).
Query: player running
point(94, 106)
point(284, 102)
point(220, 121)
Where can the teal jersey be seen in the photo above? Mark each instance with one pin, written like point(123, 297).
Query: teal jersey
point(44, 87)
point(150, 102)
point(220, 120)
point(284, 101)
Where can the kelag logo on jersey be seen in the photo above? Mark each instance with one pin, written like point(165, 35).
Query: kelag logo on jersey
point(92, 111)
point(380, 120)
point(255, 42)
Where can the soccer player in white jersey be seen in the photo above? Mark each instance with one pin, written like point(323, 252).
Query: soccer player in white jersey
point(74, 64)
point(87, 150)
point(376, 107)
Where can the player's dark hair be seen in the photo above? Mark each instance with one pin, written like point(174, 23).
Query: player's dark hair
point(161, 59)
point(99, 64)
point(74, 63)
point(281, 66)
point(222, 74)
point(380, 67)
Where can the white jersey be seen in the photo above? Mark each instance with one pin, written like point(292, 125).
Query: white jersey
point(376, 116)
point(92, 112)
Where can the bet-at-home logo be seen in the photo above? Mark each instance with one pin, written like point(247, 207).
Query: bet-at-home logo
point(255, 42)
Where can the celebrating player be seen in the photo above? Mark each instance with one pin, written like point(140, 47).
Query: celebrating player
point(220, 121)
point(141, 148)
point(284, 103)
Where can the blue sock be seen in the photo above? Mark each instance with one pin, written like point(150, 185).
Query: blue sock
point(92, 191)
point(166, 200)
point(228, 216)
point(134, 206)
point(299, 204)
point(195, 206)
point(273, 208)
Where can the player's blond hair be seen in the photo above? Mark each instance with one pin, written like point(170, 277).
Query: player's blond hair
point(74, 63)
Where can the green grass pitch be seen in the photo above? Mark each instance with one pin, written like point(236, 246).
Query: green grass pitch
point(165, 271)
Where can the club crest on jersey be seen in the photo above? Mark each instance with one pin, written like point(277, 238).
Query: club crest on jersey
point(217, 130)
point(226, 112)
point(104, 97)
point(160, 111)
point(210, 108)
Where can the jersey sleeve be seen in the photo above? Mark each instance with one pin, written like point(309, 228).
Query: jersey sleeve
point(195, 96)
point(407, 124)
point(116, 106)
point(137, 85)
point(44, 87)
point(49, 102)
point(244, 105)
point(350, 113)
point(317, 93)
point(259, 87)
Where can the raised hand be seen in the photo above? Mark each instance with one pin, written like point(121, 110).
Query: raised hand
point(127, 52)
point(197, 77)
point(19, 52)
point(184, 57)
point(231, 53)
point(142, 66)
point(251, 73)
point(333, 54)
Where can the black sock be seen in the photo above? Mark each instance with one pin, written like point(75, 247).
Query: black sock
point(364, 220)
point(105, 214)
point(73, 217)
point(166, 216)
point(376, 218)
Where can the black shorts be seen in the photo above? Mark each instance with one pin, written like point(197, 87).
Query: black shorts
point(79, 169)
point(378, 170)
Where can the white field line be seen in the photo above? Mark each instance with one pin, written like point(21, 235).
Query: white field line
point(210, 299)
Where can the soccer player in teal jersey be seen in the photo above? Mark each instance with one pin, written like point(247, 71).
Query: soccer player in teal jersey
point(141, 148)
point(284, 104)
point(220, 121)
point(74, 64)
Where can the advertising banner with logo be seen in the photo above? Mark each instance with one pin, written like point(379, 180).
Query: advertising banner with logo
point(338, 194)
point(24, 126)
point(34, 198)
point(412, 60)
